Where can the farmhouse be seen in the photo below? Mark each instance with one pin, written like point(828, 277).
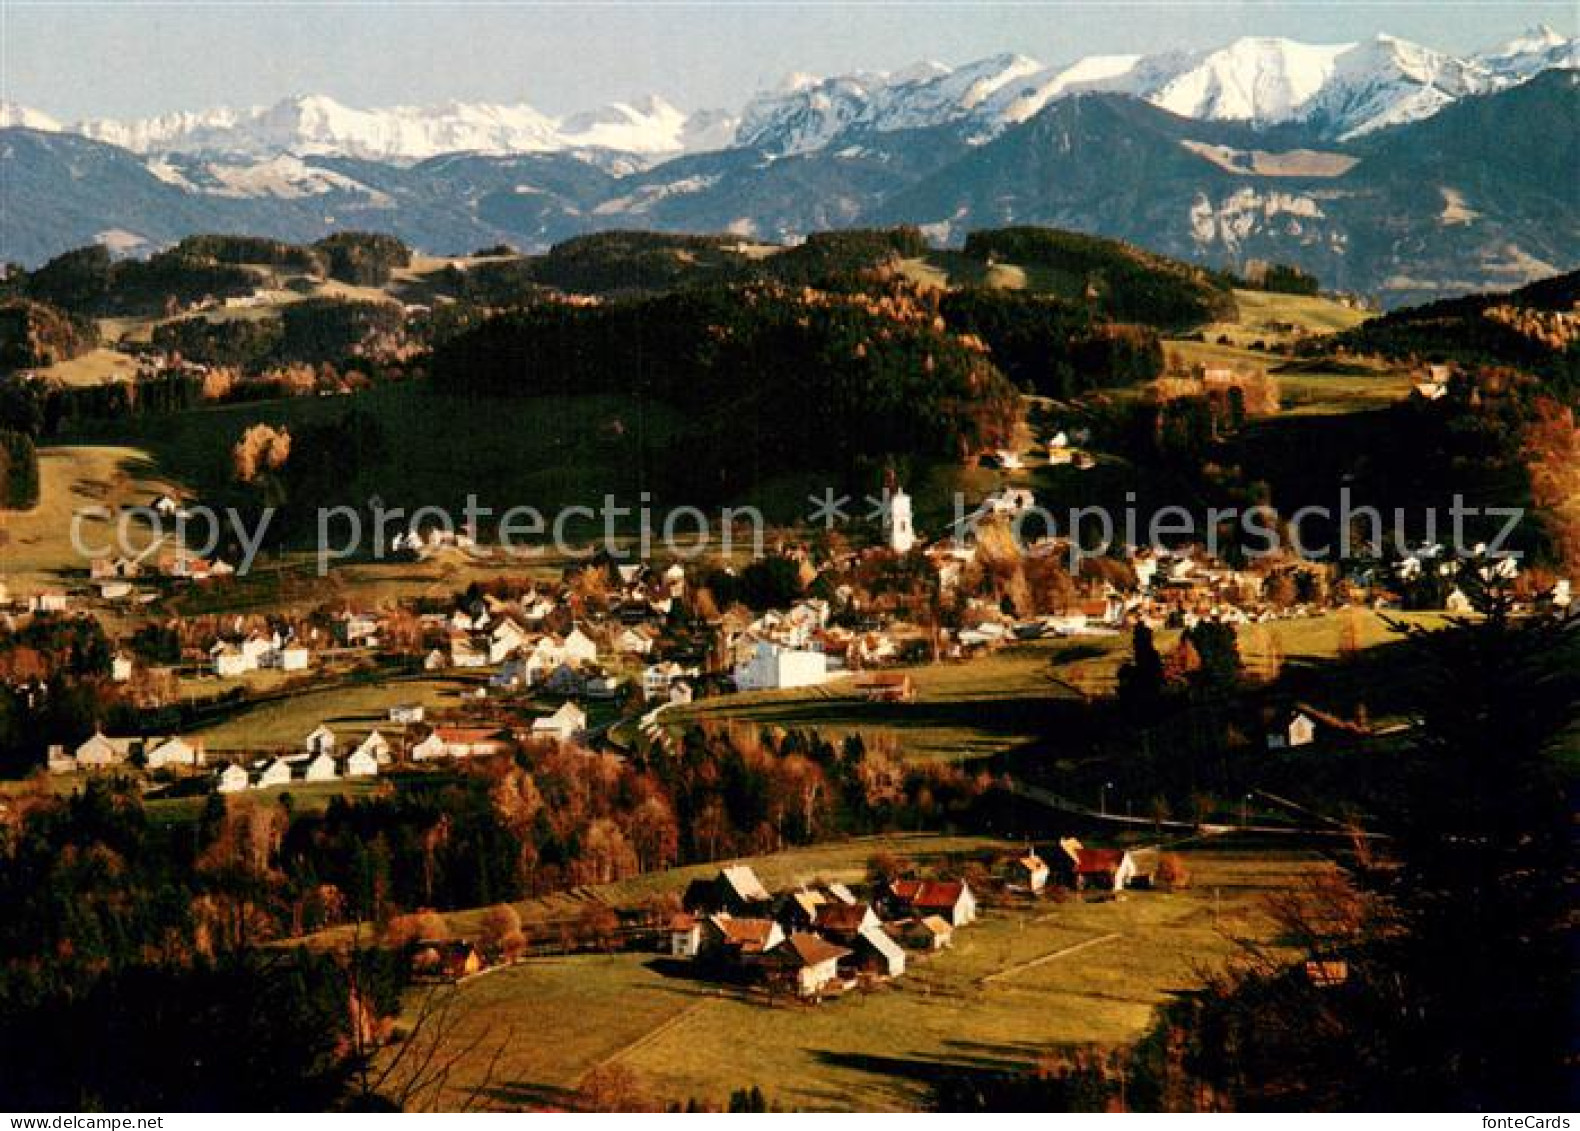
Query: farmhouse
point(321, 768)
point(450, 959)
point(806, 963)
point(845, 921)
point(1030, 871)
point(232, 779)
point(735, 890)
point(874, 952)
point(229, 661)
point(950, 900)
point(320, 741)
point(1105, 869)
point(737, 942)
point(932, 932)
point(685, 936)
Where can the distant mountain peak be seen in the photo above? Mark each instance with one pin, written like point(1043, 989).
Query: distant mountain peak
point(1343, 90)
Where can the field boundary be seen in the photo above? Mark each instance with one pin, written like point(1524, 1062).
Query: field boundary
point(1049, 957)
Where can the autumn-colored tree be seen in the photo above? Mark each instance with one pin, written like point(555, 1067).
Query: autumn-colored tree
point(262, 447)
point(501, 936)
point(1172, 872)
point(403, 930)
point(612, 1088)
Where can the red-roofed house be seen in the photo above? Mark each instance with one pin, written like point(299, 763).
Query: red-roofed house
point(806, 962)
point(950, 900)
point(1109, 869)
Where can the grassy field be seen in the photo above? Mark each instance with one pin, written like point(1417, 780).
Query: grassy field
point(36, 550)
point(1306, 389)
point(96, 367)
point(351, 711)
point(306, 797)
point(963, 710)
point(987, 706)
point(1310, 314)
point(1001, 997)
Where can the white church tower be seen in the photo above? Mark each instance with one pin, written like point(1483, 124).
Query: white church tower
point(901, 534)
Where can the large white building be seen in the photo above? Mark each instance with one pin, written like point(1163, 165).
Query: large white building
point(771, 667)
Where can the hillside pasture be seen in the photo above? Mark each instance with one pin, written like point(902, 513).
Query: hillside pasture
point(1024, 980)
point(36, 550)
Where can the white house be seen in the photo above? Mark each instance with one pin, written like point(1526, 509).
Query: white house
point(376, 747)
point(362, 763)
point(229, 661)
point(772, 667)
point(807, 962)
point(321, 768)
point(685, 936)
point(1299, 729)
point(564, 724)
point(430, 747)
point(278, 772)
point(879, 952)
point(98, 751)
point(257, 649)
point(404, 714)
point(59, 761)
point(578, 647)
point(292, 658)
point(232, 779)
point(120, 667)
point(506, 639)
point(176, 752)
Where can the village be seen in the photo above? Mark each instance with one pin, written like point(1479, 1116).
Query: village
point(614, 644)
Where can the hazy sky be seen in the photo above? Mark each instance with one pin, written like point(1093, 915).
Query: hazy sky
point(131, 57)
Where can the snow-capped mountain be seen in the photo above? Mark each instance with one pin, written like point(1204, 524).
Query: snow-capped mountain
point(1540, 49)
point(1345, 89)
point(1342, 90)
point(24, 117)
point(314, 125)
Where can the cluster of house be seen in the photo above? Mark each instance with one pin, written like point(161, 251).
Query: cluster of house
point(322, 755)
point(258, 651)
point(100, 751)
point(820, 940)
point(814, 941)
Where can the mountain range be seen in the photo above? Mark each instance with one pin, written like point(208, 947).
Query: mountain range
point(1345, 90)
point(1384, 166)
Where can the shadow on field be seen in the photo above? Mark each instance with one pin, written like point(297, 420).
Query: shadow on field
point(525, 1093)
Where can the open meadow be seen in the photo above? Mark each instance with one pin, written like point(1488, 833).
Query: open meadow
point(1027, 978)
point(973, 709)
point(36, 550)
